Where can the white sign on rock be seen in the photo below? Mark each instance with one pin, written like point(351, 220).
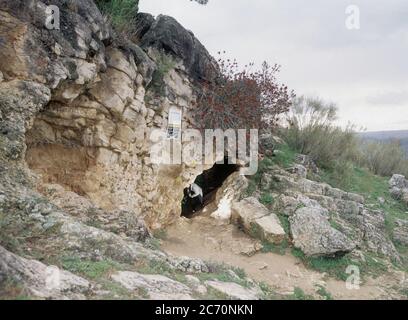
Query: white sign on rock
point(174, 124)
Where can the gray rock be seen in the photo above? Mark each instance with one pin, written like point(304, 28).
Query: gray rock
point(399, 188)
point(299, 170)
point(168, 35)
point(313, 234)
point(47, 282)
point(375, 235)
point(158, 287)
point(400, 232)
point(257, 220)
point(398, 181)
point(145, 65)
point(234, 290)
point(396, 193)
point(354, 197)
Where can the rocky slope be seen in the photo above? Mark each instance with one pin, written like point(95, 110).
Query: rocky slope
point(79, 196)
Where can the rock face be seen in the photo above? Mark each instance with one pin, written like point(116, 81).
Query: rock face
point(165, 33)
point(401, 232)
point(399, 188)
point(76, 110)
point(234, 291)
point(255, 219)
point(157, 287)
point(312, 233)
point(326, 220)
point(48, 282)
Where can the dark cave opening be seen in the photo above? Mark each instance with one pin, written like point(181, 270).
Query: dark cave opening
point(209, 181)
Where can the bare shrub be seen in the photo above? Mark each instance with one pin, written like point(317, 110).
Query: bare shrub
point(311, 130)
point(383, 158)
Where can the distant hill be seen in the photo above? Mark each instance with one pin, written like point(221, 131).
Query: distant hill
point(401, 135)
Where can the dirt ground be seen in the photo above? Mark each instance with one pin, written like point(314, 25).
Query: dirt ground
point(212, 240)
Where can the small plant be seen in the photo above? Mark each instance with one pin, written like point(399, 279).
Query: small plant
point(10, 289)
point(284, 156)
point(266, 199)
point(322, 291)
point(120, 12)
point(222, 272)
point(88, 268)
point(284, 220)
point(164, 63)
point(275, 248)
point(268, 292)
point(299, 294)
point(155, 267)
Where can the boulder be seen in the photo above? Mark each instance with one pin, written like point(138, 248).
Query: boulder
point(313, 234)
point(40, 280)
point(375, 235)
point(400, 232)
point(158, 287)
point(398, 181)
point(255, 219)
point(399, 188)
point(235, 291)
point(299, 170)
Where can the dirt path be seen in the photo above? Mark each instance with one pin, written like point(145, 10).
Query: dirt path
point(206, 238)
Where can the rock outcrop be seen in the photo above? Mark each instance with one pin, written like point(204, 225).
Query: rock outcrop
point(340, 221)
point(157, 287)
point(399, 188)
point(75, 110)
point(166, 34)
point(313, 234)
point(256, 220)
point(235, 291)
point(37, 279)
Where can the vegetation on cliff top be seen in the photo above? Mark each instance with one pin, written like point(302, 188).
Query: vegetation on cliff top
point(120, 12)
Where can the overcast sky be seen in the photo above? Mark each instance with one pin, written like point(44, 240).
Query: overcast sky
point(364, 71)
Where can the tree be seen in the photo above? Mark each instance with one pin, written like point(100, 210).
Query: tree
point(242, 99)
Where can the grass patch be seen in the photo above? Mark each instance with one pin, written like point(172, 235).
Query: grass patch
point(285, 156)
point(268, 292)
point(322, 291)
point(155, 267)
point(10, 289)
point(299, 294)
point(118, 292)
point(120, 12)
point(90, 269)
point(372, 187)
point(221, 272)
point(336, 267)
point(284, 220)
point(164, 63)
point(266, 199)
point(275, 248)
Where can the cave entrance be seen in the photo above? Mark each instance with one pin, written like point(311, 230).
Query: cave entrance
point(209, 181)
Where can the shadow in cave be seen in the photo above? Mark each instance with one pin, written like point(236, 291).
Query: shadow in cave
point(209, 181)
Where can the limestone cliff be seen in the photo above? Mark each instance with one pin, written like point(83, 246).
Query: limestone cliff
point(75, 109)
